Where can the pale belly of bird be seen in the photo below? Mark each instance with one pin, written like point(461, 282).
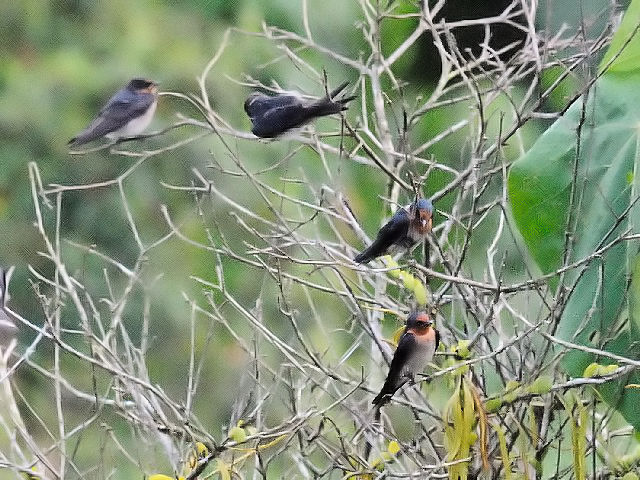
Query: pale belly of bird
point(415, 236)
point(401, 246)
point(135, 126)
point(417, 362)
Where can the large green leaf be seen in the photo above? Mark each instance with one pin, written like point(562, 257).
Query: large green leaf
point(599, 137)
point(625, 45)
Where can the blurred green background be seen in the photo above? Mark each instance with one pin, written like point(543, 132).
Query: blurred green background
point(61, 60)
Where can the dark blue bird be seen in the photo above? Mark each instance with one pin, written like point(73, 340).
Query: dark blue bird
point(408, 226)
point(126, 114)
point(416, 347)
point(271, 116)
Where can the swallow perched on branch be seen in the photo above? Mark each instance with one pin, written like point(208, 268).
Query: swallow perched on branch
point(416, 348)
point(126, 114)
point(271, 116)
point(408, 226)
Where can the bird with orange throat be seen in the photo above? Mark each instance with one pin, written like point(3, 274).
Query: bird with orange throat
point(418, 343)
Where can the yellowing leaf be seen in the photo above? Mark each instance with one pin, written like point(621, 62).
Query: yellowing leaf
point(393, 448)
point(223, 470)
point(409, 281)
point(591, 370)
point(597, 370)
point(504, 453)
point(397, 273)
point(420, 293)
point(390, 262)
point(453, 438)
point(202, 449)
point(396, 335)
point(378, 464)
point(28, 476)
point(237, 434)
point(481, 415)
point(578, 433)
point(159, 476)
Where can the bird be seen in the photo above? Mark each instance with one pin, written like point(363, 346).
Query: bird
point(408, 226)
point(126, 114)
point(418, 343)
point(272, 116)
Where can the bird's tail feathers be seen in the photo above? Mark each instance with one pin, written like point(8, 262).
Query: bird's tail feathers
point(367, 445)
point(326, 106)
point(341, 101)
point(344, 101)
point(372, 251)
point(363, 257)
point(82, 138)
point(336, 91)
point(380, 400)
point(330, 105)
point(388, 389)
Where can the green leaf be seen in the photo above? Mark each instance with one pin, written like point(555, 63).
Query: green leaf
point(578, 433)
point(462, 349)
point(541, 385)
point(634, 295)
point(626, 41)
point(605, 205)
point(223, 470)
point(504, 452)
point(511, 390)
point(591, 370)
point(493, 405)
point(237, 434)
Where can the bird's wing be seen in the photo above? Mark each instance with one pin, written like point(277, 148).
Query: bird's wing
point(119, 110)
point(124, 106)
point(395, 229)
point(284, 113)
point(406, 345)
point(258, 105)
point(397, 226)
point(396, 376)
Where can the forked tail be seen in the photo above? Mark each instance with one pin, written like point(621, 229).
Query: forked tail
point(330, 105)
